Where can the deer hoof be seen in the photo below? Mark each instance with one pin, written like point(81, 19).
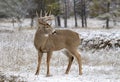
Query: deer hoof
point(66, 72)
point(36, 73)
point(48, 75)
point(80, 73)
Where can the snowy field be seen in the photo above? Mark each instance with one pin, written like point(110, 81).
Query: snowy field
point(18, 58)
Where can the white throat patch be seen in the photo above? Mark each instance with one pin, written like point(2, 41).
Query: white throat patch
point(53, 30)
point(46, 35)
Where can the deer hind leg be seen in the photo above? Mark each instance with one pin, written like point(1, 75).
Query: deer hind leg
point(39, 62)
point(69, 55)
point(78, 57)
point(49, 54)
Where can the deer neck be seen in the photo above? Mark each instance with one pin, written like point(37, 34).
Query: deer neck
point(41, 33)
point(40, 39)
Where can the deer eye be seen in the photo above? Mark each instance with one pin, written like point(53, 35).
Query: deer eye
point(47, 24)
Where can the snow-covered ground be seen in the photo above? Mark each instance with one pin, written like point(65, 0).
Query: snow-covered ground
point(18, 59)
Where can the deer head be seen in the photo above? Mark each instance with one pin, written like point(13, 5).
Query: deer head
point(43, 23)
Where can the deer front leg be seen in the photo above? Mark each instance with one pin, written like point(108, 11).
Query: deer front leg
point(49, 54)
point(40, 54)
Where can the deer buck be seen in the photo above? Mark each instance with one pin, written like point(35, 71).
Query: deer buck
point(46, 41)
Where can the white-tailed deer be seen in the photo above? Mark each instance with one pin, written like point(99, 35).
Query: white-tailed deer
point(47, 41)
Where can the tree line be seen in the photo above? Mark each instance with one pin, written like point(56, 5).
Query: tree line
point(83, 9)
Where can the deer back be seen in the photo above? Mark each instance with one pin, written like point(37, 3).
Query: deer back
point(63, 39)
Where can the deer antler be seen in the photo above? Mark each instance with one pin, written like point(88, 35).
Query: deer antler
point(46, 13)
point(41, 13)
point(50, 13)
point(37, 14)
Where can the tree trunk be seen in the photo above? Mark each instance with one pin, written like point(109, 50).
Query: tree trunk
point(58, 20)
point(82, 14)
point(13, 22)
point(65, 17)
point(85, 16)
point(41, 7)
point(107, 19)
point(75, 14)
point(107, 23)
point(32, 22)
